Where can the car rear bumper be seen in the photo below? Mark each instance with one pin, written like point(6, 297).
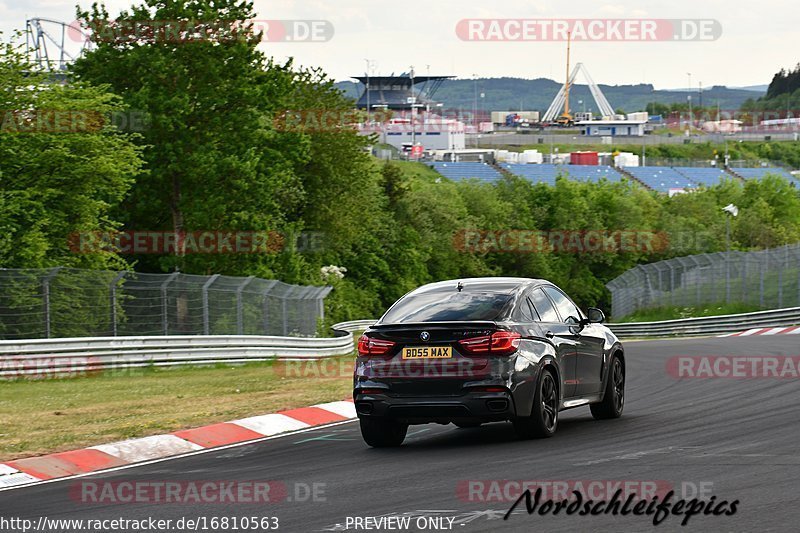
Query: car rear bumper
point(472, 407)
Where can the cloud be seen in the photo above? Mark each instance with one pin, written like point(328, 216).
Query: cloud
point(752, 48)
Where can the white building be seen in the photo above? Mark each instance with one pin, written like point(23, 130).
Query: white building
point(612, 128)
point(722, 126)
point(431, 131)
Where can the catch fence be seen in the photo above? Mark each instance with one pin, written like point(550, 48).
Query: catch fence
point(767, 279)
point(66, 302)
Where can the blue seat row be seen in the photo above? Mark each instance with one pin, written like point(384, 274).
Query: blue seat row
point(760, 172)
point(661, 179)
point(466, 170)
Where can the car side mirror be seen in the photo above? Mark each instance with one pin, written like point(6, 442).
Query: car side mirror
point(595, 315)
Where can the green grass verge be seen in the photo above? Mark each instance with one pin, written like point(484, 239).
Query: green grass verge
point(674, 312)
point(51, 415)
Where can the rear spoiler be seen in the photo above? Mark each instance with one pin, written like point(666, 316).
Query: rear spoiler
point(476, 324)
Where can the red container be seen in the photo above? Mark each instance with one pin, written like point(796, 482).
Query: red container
point(583, 158)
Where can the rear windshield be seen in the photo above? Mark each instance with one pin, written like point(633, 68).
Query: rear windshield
point(440, 306)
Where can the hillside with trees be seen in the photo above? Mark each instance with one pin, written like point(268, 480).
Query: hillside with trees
point(783, 94)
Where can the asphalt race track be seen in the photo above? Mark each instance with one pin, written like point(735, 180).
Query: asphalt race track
point(738, 437)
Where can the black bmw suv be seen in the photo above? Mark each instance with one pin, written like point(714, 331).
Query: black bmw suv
point(482, 350)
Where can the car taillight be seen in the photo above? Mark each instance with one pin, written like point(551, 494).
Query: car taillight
point(370, 391)
point(368, 347)
point(490, 388)
point(498, 343)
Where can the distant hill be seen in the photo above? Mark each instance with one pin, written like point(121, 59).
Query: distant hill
point(757, 88)
point(513, 94)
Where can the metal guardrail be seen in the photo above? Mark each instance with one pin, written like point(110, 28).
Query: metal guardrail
point(353, 325)
point(669, 328)
point(710, 325)
point(55, 357)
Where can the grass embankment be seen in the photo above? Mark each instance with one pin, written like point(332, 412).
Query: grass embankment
point(674, 312)
point(50, 415)
point(414, 169)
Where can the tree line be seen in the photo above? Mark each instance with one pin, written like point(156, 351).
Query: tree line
point(188, 136)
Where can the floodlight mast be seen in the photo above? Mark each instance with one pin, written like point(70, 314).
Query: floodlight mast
point(566, 78)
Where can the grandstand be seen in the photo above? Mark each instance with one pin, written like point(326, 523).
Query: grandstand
point(661, 179)
point(398, 92)
point(593, 173)
point(759, 173)
point(707, 176)
point(547, 173)
point(465, 171)
point(540, 173)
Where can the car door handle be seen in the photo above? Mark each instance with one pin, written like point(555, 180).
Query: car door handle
point(549, 335)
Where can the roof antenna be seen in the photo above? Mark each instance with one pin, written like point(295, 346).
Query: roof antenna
point(460, 286)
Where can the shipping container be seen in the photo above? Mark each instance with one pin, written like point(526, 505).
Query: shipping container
point(583, 158)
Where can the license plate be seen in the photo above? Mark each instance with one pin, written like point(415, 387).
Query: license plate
point(427, 352)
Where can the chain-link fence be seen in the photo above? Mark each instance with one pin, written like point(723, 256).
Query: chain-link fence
point(707, 163)
point(65, 302)
point(769, 279)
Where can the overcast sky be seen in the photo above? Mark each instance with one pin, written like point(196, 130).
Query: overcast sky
point(758, 38)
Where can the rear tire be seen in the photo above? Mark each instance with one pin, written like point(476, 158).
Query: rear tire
point(543, 420)
point(614, 398)
point(383, 433)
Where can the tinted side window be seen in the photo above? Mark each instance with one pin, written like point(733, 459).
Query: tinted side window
point(565, 308)
point(523, 311)
point(536, 316)
point(543, 306)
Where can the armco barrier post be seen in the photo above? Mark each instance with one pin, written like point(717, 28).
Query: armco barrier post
point(46, 295)
point(239, 306)
point(164, 303)
point(206, 318)
point(285, 328)
point(112, 290)
point(266, 305)
point(744, 279)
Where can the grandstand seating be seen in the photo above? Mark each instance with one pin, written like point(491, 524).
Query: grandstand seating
point(536, 173)
point(704, 175)
point(661, 179)
point(547, 173)
point(593, 173)
point(464, 171)
point(758, 173)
